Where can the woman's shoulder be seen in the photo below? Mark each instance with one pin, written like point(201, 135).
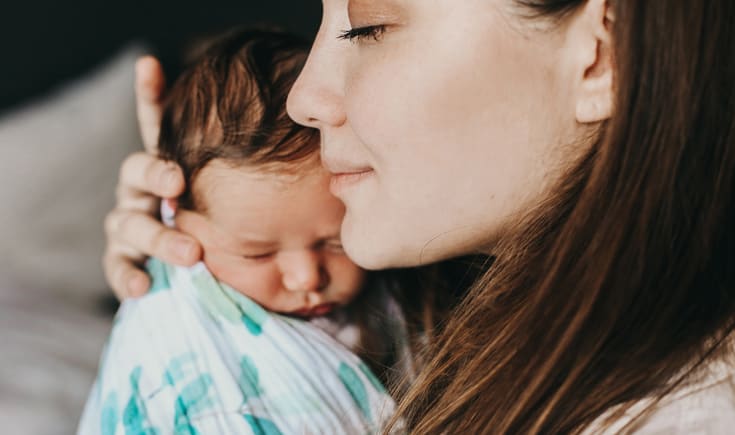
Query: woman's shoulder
point(704, 404)
point(705, 409)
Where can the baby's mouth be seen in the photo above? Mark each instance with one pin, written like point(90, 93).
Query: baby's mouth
point(319, 310)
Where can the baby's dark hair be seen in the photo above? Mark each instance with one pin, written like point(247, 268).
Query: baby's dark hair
point(230, 104)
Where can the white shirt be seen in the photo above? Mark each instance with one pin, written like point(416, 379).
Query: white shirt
point(705, 405)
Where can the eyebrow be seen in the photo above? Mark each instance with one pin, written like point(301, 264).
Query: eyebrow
point(249, 243)
point(245, 243)
point(385, 10)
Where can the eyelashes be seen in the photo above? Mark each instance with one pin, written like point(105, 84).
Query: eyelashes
point(260, 257)
point(366, 33)
point(333, 246)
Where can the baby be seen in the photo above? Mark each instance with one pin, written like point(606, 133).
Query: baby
point(258, 197)
point(259, 337)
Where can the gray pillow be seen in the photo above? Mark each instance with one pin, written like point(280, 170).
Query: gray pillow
point(59, 161)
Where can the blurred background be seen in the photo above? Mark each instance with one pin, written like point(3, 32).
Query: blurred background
point(67, 119)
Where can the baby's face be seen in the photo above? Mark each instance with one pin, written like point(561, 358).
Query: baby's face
point(274, 237)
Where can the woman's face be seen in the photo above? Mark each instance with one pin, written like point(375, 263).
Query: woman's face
point(442, 125)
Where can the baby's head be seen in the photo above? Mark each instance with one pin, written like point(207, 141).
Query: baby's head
point(257, 196)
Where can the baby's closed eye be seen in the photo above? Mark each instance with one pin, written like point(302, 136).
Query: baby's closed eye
point(259, 256)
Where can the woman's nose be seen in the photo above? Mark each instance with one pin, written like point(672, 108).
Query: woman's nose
point(316, 99)
point(303, 271)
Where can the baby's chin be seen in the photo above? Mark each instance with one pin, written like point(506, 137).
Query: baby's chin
point(317, 311)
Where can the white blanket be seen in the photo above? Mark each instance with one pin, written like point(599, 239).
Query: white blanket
point(195, 356)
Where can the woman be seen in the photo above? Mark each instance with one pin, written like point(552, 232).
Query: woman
point(587, 145)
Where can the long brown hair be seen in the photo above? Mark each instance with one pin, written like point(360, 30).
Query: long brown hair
point(623, 282)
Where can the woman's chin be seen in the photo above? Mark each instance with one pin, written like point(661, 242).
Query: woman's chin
point(375, 247)
point(365, 246)
point(362, 255)
point(372, 250)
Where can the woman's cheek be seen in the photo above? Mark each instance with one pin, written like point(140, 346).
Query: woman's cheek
point(346, 277)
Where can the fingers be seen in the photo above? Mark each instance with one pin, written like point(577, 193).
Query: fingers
point(147, 236)
point(144, 175)
point(132, 232)
point(150, 85)
point(132, 236)
point(124, 277)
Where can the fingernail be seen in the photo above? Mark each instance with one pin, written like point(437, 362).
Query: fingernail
point(168, 177)
point(184, 249)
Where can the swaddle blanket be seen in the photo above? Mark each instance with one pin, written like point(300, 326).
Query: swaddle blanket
point(195, 356)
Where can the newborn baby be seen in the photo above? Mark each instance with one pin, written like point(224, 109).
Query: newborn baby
point(257, 338)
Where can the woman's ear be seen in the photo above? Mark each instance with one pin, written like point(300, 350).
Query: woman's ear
point(591, 41)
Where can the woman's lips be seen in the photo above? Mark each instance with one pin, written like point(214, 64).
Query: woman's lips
point(319, 310)
point(343, 180)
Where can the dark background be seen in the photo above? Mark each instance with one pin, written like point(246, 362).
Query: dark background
point(44, 43)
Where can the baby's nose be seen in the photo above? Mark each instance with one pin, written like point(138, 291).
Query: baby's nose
point(304, 272)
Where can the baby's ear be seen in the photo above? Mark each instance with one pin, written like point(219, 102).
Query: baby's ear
point(194, 224)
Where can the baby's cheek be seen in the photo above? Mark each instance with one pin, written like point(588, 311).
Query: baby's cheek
point(260, 282)
point(257, 281)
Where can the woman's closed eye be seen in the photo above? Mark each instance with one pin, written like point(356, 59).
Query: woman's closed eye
point(362, 34)
point(334, 246)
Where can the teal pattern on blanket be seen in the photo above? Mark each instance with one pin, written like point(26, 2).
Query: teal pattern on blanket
point(178, 368)
point(253, 315)
point(194, 394)
point(356, 388)
point(196, 357)
point(249, 378)
point(228, 304)
point(193, 400)
point(371, 377)
point(109, 415)
point(134, 415)
point(262, 426)
point(252, 326)
point(214, 298)
point(159, 276)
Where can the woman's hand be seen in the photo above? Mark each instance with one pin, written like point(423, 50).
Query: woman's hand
point(133, 232)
